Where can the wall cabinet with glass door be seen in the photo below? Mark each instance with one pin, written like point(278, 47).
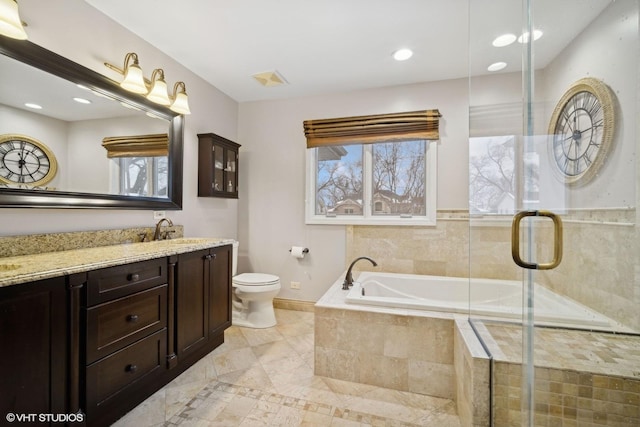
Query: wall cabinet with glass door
point(217, 166)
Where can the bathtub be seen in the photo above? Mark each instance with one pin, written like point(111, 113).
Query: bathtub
point(490, 298)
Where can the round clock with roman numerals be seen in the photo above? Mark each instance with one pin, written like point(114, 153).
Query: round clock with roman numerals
point(581, 130)
point(25, 160)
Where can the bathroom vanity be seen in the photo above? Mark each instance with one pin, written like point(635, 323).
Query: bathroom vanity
point(98, 330)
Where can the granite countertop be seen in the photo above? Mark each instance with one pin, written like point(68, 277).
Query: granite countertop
point(27, 268)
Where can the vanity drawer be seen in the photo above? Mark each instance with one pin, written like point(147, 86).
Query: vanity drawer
point(115, 373)
point(115, 282)
point(115, 324)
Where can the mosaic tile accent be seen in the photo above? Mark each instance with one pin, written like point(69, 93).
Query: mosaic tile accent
point(581, 378)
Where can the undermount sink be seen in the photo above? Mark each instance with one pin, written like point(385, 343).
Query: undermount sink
point(9, 267)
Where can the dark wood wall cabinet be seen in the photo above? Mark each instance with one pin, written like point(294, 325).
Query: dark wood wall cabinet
point(101, 342)
point(217, 166)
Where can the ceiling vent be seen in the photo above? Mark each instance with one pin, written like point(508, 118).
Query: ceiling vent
point(270, 78)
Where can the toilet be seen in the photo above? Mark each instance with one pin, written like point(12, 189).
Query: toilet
point(253, 295)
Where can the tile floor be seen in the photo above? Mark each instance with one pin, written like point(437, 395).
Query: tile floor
point(264, 377)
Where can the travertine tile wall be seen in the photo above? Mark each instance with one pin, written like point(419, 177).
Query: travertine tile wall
point(471, 364)
point(400, 352)
point(598, 267)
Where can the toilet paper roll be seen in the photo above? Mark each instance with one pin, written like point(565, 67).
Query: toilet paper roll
point(298, 251)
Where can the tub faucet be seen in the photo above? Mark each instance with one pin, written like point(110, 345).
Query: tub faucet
point(156, 235)
point(348, 279)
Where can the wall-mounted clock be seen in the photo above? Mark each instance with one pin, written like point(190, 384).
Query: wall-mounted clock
point(582, 127)
point(25, 160)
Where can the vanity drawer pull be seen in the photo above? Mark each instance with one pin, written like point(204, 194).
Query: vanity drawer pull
point(131, 368)
point(132, 318)
point(134, 277)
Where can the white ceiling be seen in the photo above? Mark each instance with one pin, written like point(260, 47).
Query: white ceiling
point(340, 45)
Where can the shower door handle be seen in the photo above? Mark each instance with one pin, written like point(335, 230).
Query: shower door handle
point(557, 244)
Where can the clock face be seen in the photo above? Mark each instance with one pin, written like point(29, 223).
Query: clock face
point(582, 131)
point(24, 160)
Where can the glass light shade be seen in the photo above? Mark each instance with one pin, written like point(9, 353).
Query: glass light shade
point(158, 93)
point(134, 80)
point(10, 23)
point(181, 104)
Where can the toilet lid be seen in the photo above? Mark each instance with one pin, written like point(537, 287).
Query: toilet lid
point(255, 279)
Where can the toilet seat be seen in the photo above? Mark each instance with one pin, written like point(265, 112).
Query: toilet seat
point(255, 279)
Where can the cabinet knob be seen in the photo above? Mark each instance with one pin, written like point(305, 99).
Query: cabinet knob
point(208, 257)
point(134, 277)
point(132, 318)
point(131, 368)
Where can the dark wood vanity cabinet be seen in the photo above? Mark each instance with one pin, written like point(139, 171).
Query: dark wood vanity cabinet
point(203, 300)
point(217, 166)
point(102, 341)
point(34, 348)
point(125, 343)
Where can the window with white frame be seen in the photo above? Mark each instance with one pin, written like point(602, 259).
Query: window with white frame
point(390, 180)
point(143, 176)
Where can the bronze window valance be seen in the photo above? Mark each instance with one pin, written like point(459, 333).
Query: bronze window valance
point(154, 145)
point(375, 128)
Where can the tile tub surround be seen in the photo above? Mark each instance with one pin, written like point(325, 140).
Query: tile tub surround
point(430, 353)
point(29, 268)
point(264, 377)
point(599, 266)
point(581, 378)
point(54, 242)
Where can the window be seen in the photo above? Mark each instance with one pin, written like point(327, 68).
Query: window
point(382, 183)
point(143, 176)
point(372, 169)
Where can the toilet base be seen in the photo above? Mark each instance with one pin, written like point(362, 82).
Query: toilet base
point(254, 314)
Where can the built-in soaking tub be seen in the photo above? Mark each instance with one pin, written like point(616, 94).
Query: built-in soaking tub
point(489, 298)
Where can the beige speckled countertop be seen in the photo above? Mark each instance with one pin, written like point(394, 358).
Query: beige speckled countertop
point(27, 268)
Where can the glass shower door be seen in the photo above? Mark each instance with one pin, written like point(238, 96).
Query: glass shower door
point(554, 254)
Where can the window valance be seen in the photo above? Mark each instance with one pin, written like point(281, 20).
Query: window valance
point(370, 129)
point(154, 145)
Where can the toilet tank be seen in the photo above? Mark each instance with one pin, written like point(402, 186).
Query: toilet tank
point(234, 259)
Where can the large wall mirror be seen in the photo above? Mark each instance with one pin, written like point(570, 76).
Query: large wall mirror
point(89, 173)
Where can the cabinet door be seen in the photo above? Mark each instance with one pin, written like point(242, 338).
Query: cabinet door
point(220, 291)
point(192, 300)
point(33, 337)
point(217, 166)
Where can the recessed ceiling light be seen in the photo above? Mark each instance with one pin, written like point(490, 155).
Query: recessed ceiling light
point(524, 38)
point(34, 106)
point(82, 100)
point(497, 66)
point(504, 40)
point(402, 54)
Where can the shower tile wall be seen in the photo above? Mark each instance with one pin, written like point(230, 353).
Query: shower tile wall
point(581, 378)
point(598, 268)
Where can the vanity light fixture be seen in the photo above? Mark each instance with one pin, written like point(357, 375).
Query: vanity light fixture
point(180, 99)
point(156, 89)
point(10, 23)
point(158, 92)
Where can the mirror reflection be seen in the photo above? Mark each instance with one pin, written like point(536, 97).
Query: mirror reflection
point(72, 122)
point(71, 137)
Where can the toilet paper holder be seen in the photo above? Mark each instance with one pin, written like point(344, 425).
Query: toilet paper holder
point(304, 251)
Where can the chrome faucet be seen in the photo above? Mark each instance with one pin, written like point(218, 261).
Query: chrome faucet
point(156, 235)
point(348, 278)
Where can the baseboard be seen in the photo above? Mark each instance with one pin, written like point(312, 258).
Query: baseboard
point(292, 304)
